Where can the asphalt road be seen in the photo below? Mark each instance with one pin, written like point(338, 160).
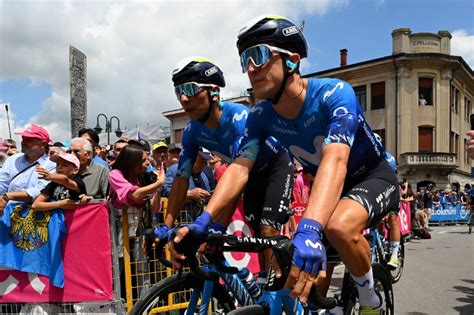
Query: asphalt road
point(439, 274)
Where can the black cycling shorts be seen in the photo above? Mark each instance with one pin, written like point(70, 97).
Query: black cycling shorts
point(267, 195)
point(377, 192)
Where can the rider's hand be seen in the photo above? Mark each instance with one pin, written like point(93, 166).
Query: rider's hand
point(197, 229)
point(162, 233)
point(309, 257)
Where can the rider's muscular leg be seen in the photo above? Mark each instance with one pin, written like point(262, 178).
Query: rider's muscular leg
point(265, 257)
point(344, 233)
point(394, 229)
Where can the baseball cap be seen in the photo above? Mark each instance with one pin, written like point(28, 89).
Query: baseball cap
point(205, 154)
point(160, 144)
point(141, 142)
point(66, 157)
point(174, 146)
point(37, 132)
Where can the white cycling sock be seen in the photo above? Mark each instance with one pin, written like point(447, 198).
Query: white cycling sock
point(365, 286)
point(394, 246)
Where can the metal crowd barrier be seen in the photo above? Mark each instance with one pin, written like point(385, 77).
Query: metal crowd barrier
point(144, 272)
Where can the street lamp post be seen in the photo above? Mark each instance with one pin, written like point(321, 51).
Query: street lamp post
point(108, 127)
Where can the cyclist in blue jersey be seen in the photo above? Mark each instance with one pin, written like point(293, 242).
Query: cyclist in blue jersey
point(324, 128)
point(219, 127)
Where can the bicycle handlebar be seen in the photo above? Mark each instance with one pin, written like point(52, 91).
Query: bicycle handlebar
point(281, 246)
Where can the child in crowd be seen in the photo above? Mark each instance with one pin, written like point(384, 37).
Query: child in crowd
point(66, 188)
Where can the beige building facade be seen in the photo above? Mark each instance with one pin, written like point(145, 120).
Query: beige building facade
point(418, 99)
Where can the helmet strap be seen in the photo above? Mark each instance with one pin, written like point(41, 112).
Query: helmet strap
point(288, 74)
point(205, 117)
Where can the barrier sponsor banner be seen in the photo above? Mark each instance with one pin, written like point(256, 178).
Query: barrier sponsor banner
point(450, 213)
point(240, 227)
point(404, 218)
point(87, 259)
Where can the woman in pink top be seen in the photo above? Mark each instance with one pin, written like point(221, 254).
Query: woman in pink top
point(127, 193)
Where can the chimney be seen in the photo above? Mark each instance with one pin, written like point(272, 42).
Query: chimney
point(343, 57)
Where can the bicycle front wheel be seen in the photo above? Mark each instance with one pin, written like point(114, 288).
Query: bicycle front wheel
point(170, 295)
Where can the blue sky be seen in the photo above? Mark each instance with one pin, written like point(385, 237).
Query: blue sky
point(132, 48)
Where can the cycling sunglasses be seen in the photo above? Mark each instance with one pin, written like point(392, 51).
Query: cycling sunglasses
point(190, 89)
point(259, 55)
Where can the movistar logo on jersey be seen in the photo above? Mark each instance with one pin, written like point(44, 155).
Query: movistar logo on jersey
point(290, 30)
point(339, 85)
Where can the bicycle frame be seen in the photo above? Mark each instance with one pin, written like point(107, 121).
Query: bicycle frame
point(376, 245)
point(275, 299)
point(233, 282)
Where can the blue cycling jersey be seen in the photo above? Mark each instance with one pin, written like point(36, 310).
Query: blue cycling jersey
point(223, 141)
point(330, 114)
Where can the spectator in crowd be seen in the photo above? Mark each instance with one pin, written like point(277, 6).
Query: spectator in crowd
point(437, 198)
point(207, 170)
point(160, 153)
point(56, 148)
point(66, 188)
point(111, 157)
point(218, 166)
point(2, 147)
point(470, 144)
point(119, 144)
point(127, 191)
point(453, 198)
point(94, 175)
point(18, 179)
point(3, 158)
point(422, 100)
point(174, 149)
point(198, 191)
point(11, 146)
point(93, 137)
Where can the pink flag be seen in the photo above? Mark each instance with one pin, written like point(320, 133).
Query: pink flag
point(87, 259)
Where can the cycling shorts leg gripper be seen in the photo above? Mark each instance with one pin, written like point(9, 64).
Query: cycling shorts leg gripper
point(378, 194)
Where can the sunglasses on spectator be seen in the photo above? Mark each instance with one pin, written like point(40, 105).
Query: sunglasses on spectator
point(73, 151)
point(10, 146)
point(190, 89)
point(259, 55)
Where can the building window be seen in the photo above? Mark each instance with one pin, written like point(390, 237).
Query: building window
point(467, 108)
point(378, 95)
point(425, 139)
point(381, 133)
point(454, 99)
point(454, 144)
point(425, 91)
point(361, 95)
point(178, 135)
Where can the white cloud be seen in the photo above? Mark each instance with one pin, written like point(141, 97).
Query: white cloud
point(131, 49)
point(462, 44)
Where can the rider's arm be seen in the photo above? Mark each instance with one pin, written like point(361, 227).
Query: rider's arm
point(328, 184)
point(230, 186)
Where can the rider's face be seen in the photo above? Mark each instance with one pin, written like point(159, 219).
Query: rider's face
point(267, 78)
point(195, 106)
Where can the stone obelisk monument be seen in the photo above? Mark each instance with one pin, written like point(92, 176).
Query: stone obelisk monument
point(78, 89)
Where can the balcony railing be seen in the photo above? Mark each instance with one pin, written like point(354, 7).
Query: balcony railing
point(429, 159)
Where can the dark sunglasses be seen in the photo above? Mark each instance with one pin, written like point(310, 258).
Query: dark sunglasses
point(73, 151)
